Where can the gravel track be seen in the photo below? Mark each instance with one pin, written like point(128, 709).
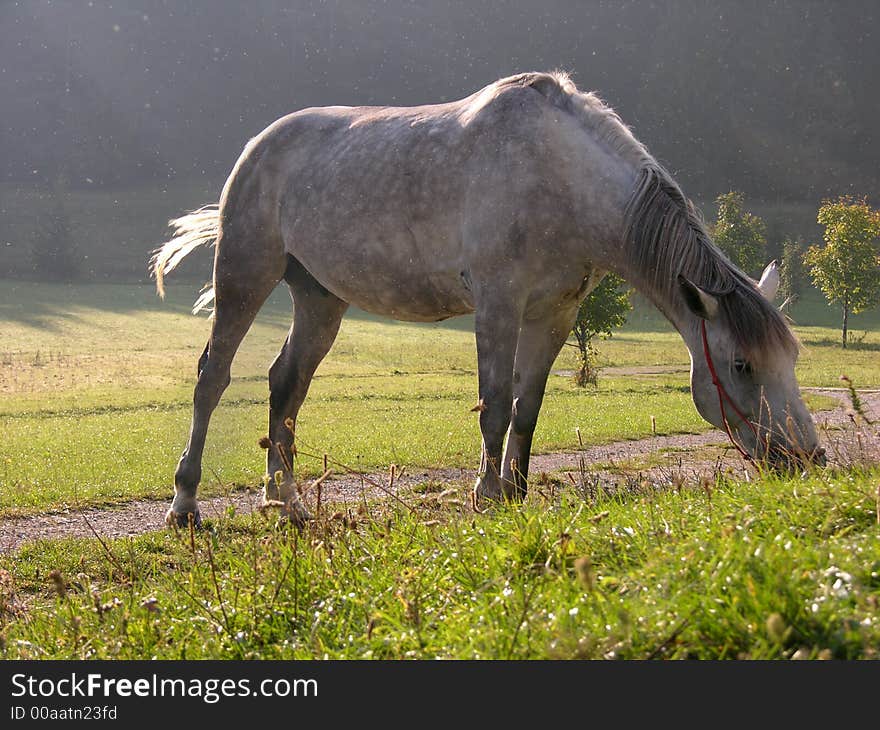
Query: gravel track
point(660, 459)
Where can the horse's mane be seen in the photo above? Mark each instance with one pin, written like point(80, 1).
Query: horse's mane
point(665, 235)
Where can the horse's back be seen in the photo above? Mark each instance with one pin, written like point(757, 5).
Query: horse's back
point(388, 207)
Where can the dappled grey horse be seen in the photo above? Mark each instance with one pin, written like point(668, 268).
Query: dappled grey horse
point(511, 203)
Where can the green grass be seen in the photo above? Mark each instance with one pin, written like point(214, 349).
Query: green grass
point(368, 423)
point(96, 385)
point(770, 570)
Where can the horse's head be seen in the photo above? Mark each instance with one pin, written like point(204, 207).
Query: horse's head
point(753, 396)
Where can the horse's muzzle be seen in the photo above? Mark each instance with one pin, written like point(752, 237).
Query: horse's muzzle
point(786, 460)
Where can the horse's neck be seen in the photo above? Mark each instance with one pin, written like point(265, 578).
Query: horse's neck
point(672, 308)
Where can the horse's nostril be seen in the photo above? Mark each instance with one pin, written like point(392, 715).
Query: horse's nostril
point(820, 451)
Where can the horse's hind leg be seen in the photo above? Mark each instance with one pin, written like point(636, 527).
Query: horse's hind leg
point(241, 285)
point(539, 343)
point(316, 317)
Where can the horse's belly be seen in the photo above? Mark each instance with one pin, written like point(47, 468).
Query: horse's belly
point(425, 297)
point(376, 281)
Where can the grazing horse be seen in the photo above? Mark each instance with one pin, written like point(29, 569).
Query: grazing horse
point(511, 203)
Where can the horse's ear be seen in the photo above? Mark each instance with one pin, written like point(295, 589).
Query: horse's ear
point(769, 283)
point(701, 303)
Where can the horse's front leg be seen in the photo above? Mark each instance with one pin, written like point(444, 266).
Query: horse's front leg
point(496, 328)
point(540, 341)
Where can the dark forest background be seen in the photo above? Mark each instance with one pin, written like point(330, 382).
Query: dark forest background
point(119, 115)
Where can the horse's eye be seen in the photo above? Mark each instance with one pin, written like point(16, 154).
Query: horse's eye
point(741, 366)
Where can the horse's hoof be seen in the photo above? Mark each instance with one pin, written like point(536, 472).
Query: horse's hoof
point(487, 493)
point(489, 496)
point(295, 511)
point(182, 520)
point(292, 511)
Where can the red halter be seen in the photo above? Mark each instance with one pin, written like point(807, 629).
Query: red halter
point(723, 395)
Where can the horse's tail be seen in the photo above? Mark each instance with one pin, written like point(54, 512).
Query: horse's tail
point(192, 230)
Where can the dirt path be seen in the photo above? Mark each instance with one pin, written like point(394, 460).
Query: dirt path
point(660, 459)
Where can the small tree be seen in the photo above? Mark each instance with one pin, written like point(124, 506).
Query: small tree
point(602, 310)
point(741, 235)
point(793, 272)
point(847, 267)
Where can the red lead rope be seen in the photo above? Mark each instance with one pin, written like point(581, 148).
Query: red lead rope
point(722, 396)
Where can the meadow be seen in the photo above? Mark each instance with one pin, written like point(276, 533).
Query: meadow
point(97, 381)
point(96, 384)
point(779, 570)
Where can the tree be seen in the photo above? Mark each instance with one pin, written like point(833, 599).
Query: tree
point(847, 267)
point(741, 235)
point(792, 272)
point(602, 310)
